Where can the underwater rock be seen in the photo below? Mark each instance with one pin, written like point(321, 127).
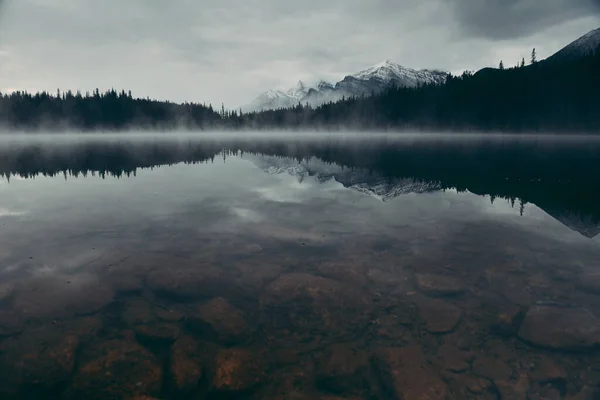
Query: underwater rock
point(159, 333)
point(122, 369)
point(303, 306)
point(439, 316)
point(561, 328)
point(238, 370)
point(64, 297)
point(185, 366)
point(188, 284)
point(342, 368)
point(407, 374)
point(225, 321)
point(439, 285)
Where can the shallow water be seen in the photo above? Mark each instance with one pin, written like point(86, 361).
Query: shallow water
point(410, 268)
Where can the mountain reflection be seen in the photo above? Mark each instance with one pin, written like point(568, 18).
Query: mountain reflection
point(559, 176)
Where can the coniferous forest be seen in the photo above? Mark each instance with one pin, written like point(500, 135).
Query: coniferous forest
point(540, 97)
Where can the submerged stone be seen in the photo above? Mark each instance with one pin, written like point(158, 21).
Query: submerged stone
point(491, 368)
point(342, 368)
point(238, 370)
point(407, 374)
point(185, 365)
point(439, 285)
point(59, 298)
point(306, 306)
point(189, 283)
point(439, 316)
point(547, 370)
point(222, 319)
point(37, 363)
point(122, 369)
point(453, 359)
point(160, 333)
point(560, 328)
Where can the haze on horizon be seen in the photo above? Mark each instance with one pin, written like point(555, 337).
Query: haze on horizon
point(230, 50)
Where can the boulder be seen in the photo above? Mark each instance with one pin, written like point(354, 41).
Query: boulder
point(342, 368)
point(407, 374)
point(185, 367)
point(121, 369)
point(62, 297)
point(221, 319)
point(562, 328)
point(300, 307)
point(238, 370)
point(439, 285)
point(439, 316)
point(188, 283)
point(159, 333)
point(491, 368)
point(38, 365)
point(453, 359)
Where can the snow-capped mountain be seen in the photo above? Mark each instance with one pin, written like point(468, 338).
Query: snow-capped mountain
point(374, 79)
point(382, 75)
point(273, 99)
point(363, 181)
point(586, 44)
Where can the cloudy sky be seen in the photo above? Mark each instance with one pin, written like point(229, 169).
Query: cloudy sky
point(231, 50)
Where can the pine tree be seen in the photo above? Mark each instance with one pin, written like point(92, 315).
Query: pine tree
point(523, 62)
point(501, 64)
point(533, 56)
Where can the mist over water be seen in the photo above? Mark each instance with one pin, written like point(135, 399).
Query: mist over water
point(306, 266)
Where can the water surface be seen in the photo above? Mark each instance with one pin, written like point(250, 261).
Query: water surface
point(256, 267)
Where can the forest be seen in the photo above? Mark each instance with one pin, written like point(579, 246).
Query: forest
point(552, 97)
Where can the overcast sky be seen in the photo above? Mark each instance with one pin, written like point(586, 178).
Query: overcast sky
point(231, 50)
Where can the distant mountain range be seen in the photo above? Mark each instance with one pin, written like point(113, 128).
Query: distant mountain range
point(372, 80)
point(383, 75)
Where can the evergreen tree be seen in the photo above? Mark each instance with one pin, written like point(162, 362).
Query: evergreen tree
point(533, 56)
point(523, 62)
point(501, 65)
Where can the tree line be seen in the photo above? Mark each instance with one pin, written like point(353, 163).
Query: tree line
point(540, 97)
point(110, 110)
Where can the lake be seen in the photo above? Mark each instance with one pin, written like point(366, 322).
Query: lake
point(319, 266)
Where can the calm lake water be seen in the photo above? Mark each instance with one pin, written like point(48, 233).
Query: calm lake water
point(411, 267)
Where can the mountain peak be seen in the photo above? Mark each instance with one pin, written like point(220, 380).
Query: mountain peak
point(386, 63)
point(374, 79)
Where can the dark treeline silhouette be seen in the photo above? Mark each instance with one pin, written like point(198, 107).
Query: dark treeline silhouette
point(111, 110)
point(560, 176)
point(541, 97)
point(559, 97)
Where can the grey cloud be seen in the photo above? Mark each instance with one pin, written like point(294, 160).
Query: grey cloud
point(505, 19)
point(231, 50)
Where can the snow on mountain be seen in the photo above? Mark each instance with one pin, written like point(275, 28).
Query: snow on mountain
point(374, 79)
point(384, 74)
point(586, 44)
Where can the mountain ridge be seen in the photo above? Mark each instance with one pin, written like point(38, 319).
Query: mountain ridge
point(371, 80)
